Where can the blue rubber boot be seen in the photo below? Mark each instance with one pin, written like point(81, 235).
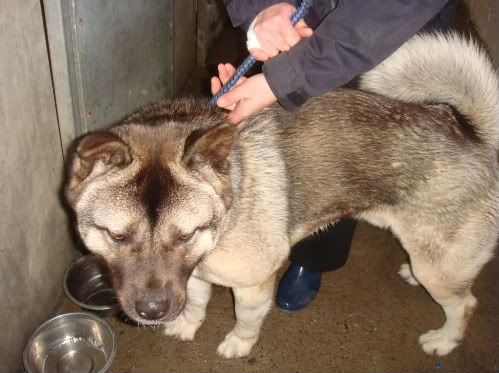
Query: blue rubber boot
point(297, 288)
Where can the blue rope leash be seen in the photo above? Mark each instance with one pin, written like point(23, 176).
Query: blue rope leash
point(250, 60)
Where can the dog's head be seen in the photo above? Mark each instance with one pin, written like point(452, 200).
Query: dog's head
point(150, 197)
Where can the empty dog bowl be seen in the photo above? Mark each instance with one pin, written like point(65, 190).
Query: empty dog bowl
point(71, 342)
point(87, 283)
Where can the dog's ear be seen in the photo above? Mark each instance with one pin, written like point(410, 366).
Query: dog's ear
point(103, 147)
point(212, 146)
point(100, 152)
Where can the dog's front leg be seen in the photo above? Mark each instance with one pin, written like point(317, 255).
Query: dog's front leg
point(184, 327)
point(251, 306)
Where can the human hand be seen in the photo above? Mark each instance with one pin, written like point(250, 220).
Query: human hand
point(275, 32)
point(225, 72)
point(247, 97)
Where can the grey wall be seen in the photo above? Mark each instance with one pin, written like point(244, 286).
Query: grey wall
point(110, 57)
point(35, 246)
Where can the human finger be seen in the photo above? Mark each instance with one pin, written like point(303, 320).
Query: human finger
point(259, 54)
point(231, 70)
point(215, 85)
point(303, 30)
point(223, 74)
point(235, 116)
point(278, 40)
point(253, 97)
point(269, 47)
point(291, 36)
point(231, 98)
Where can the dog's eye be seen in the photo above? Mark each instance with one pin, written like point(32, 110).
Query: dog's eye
point(184, 237)
point(118, 237)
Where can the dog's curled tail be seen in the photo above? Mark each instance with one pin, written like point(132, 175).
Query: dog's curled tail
point(442, 68)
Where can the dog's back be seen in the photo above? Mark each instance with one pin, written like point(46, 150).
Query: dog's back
point(423, 131)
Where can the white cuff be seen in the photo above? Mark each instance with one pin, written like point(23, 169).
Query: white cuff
point(252, 40)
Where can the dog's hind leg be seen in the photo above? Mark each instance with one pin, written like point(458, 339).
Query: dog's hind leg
point(251, 306)
point(184, 327)
point(453, 293)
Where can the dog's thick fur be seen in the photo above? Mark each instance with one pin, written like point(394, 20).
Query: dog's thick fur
point(175, 198)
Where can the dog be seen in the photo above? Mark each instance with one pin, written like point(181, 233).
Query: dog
point(175, 198)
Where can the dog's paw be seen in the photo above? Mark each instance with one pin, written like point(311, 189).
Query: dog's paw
point(182, 329)
point(435, 342)
point(234, 346)
point(406, 273)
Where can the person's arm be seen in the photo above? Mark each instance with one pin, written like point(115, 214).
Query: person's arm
point(243, 12)
point(352, 39)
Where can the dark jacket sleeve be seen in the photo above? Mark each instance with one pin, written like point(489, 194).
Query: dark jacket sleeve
point(352, 39)
point(243, 12)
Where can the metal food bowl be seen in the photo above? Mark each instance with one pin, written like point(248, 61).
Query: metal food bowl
point(87, 283)
point(71, 342)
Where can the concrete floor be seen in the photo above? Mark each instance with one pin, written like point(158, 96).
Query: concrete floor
point(365, 318)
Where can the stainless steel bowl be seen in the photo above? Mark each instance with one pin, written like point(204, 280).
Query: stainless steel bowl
point(71, 342)
point(87, 283)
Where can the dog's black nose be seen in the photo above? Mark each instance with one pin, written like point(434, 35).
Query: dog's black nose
point(152, 310)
